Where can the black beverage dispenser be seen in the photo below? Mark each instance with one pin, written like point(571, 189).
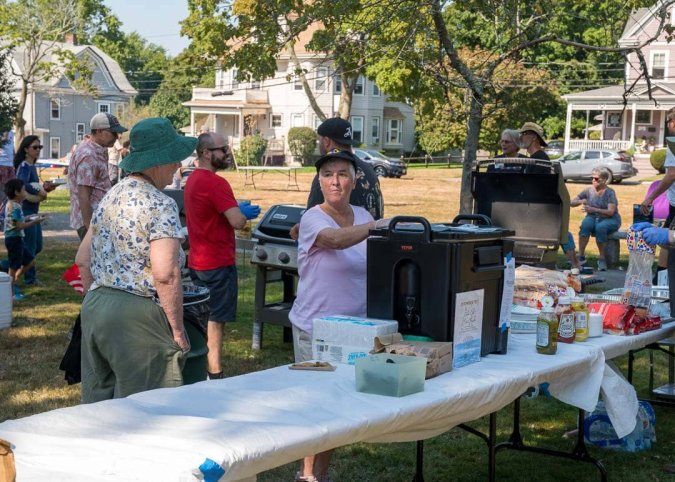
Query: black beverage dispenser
point(415, 269)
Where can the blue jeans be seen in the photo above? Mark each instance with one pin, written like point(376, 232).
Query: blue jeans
point(33, 243)
point(600, 227)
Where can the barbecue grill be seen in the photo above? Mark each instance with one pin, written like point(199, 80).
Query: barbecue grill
point(527, 196)
point(276, 258)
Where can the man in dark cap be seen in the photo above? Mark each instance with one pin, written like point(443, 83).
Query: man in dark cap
point(335, 134)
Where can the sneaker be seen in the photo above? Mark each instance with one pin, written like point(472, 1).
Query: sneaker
point(305, 478)
point(582, 260)
point(18, 296)
point(215, 376)
point(602, 265)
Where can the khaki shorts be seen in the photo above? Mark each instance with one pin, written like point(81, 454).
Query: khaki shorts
point(302, 345)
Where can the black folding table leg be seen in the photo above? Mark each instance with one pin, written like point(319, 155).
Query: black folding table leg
point(419, 469)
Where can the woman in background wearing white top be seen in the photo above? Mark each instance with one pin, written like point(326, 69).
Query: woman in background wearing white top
point(332, 268)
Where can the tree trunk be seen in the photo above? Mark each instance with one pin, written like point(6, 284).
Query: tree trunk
point(470, 147)
point(346, 95)
point(305, 85)
point(19, 121)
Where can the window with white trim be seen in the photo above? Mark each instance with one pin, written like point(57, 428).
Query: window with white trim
point(256, 85)
point(394, 127)
point(376, 90)
point(276, 120)
point(297, 83)
point(103, 107)
point(643, 117)
point(375, 130)
point(234, 83)
point(358, 87)
point(317, 122)
point(338, 84)
point(55, 109)
point(54, 147)
point(79, 131)
point(357, 127)
point(297, 120)
point(659, 63)
point(320, 79)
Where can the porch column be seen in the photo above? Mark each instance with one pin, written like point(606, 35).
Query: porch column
point(588, 113)
point(241, 126)
point(192, 123)
point(568, 127)
point(632, 124)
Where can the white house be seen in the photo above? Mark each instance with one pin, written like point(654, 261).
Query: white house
point(620, 128)
point(274, 105)
point(59, 114)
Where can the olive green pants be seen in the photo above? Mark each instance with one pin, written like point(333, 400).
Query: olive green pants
point(127, 346)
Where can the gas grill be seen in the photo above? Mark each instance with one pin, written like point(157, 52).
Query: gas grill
point(276, 258)
point(527, 196)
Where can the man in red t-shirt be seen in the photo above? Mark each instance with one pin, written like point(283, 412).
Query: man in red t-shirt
point(212, 215)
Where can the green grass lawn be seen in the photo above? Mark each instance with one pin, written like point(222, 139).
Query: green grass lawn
point(30, 382)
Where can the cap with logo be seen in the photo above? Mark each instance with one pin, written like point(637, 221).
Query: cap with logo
point(339, 130)
point(537, 129)
point(103, 120)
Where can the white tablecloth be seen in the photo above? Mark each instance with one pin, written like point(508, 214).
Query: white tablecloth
point(255, 422)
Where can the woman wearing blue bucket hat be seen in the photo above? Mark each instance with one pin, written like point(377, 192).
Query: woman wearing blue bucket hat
point(133, 337)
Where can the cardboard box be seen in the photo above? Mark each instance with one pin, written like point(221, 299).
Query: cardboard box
point(343, 339)
point(437, 353)
point(390, 375)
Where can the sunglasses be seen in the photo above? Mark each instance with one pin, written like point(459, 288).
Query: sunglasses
point(36, 147)
point(595, 178)
point(224, 149)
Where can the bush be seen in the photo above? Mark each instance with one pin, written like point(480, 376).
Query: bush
point(302, 143)
point(657, 159)
point(251, 150)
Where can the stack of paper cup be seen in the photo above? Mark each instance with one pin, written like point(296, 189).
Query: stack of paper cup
point(595, 324)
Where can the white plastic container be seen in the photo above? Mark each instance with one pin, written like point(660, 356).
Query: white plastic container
point(5, 301)
point(343, 339)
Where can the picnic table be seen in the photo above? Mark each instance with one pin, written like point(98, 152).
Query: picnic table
point(252, 171)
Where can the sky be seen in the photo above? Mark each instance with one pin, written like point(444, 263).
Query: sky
point(155, 20)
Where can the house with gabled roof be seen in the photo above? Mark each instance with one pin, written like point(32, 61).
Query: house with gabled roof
point(625, 122)
point(57, 112)
point(272, 106)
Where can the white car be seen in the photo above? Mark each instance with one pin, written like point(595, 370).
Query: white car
point(578, 165)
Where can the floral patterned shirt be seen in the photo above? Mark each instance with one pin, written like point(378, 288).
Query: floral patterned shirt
point(88, 167)
point(132, 214)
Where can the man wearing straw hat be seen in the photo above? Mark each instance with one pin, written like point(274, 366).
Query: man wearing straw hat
point(133, 337)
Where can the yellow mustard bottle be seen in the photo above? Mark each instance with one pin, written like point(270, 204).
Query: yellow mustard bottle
point(581, 317)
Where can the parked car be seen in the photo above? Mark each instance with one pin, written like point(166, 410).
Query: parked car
point(383, 165)
point(555, 149)
point(577, 165)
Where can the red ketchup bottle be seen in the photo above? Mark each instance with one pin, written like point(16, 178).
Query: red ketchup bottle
point(566, 327)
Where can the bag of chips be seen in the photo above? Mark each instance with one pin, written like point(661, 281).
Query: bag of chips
point(637, 289)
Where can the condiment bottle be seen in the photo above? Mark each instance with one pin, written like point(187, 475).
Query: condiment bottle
point(547, 329)
point(566, 329)
point(581, 316)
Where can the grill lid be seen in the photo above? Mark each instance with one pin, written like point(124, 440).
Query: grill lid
point(275, 226)
point(413, 226)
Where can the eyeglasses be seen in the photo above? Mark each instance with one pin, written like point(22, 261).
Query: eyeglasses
point(36, 147)
point(224, 149)
point(596, 178)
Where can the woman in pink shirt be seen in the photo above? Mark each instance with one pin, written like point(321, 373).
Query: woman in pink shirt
point(332, 268)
